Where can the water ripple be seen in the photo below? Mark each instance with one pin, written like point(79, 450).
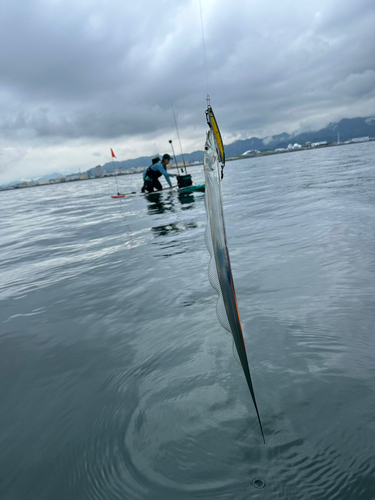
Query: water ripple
point(120, 383)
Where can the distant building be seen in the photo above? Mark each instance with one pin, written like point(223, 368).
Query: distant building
point(42, 182)
point(98, 171)
point(250, 152)
point(61, 178)
point(317, 144)
point(22, 184)
point(361, 139)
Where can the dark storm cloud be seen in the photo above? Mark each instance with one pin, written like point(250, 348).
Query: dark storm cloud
point(85, 72)
point(86, 69)
point(73, 50)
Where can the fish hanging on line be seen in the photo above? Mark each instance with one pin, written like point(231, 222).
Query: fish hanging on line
point(219, 271)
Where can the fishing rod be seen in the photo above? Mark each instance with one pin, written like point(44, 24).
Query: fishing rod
point(174, 156)
point(179, 140)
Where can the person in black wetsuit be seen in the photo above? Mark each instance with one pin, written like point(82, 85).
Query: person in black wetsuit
point(154, 171)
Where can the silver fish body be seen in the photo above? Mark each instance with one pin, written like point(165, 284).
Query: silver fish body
point(220, 273)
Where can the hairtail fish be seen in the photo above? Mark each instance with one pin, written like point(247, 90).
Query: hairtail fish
point(219, 271)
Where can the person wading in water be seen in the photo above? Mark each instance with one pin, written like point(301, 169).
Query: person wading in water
point(154, 171)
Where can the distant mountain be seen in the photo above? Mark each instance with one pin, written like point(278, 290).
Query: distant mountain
point(348, 128)
point(50, 176)
point(146, 161)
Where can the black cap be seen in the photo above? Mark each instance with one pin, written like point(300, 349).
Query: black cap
point(167, 157)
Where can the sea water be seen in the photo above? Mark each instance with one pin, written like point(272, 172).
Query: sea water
point(117, 380)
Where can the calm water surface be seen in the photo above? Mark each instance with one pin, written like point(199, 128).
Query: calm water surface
point(117, 381)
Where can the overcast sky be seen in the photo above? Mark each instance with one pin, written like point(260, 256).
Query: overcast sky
point(78, 77)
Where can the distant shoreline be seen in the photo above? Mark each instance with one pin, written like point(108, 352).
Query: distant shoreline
point(258, 154)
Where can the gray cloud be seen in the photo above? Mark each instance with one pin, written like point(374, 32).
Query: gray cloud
point(90, 71)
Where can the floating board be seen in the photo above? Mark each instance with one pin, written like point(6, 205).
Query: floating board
point(189, 189)
point(122, 195)
point(146, 193)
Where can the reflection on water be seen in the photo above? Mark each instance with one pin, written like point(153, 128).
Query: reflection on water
point(159, 202)
point(162, 202)
point(173, 227)
point(187, 200)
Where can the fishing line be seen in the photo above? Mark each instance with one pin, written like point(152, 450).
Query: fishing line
point(178, 135)
point(174, 156)
point(204, 48)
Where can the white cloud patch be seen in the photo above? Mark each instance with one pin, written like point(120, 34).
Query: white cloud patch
point(357, 85)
